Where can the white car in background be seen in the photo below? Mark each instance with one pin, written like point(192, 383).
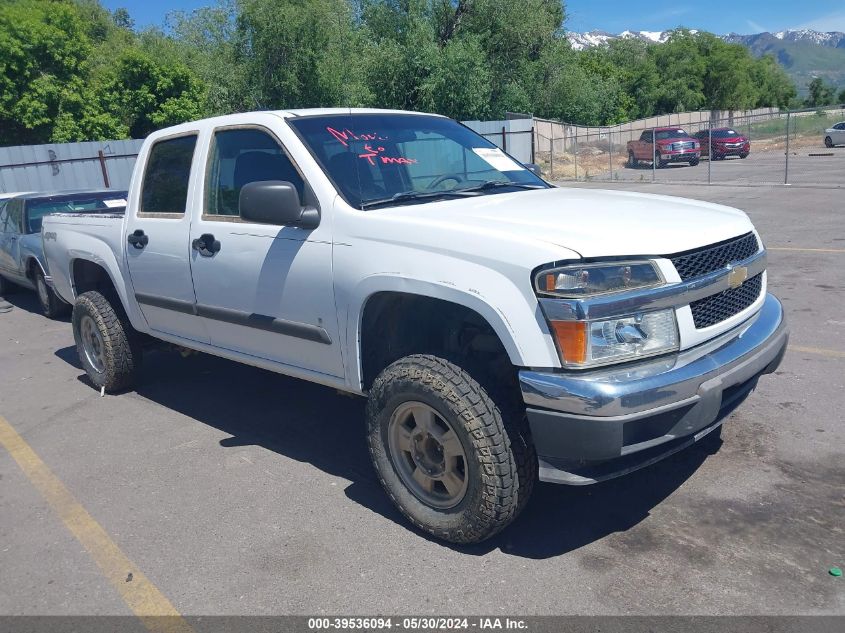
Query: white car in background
point(835, 135)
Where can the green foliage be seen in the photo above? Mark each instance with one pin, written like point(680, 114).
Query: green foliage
point(43, 52)
point(72, 70)
point(841, 97)
point(821, 93)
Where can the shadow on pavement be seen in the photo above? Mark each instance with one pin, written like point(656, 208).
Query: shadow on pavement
point(317, 425)
point(26, 300)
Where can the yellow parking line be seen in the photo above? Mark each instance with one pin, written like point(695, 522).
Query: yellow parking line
point(805, 250)
point(818, 350)
point(138, 592)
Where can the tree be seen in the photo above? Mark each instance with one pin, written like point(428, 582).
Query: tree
point(145, 94)
point(841, 98)
point(204, 40)
point(122, 19)
point(299, 53)
point(43, 52)
point(821, 93)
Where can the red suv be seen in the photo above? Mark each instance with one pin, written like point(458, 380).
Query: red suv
point(726, 142)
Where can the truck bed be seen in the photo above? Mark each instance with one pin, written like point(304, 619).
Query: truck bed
point(68, 236)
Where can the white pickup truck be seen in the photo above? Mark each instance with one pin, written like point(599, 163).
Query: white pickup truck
point(501, 329)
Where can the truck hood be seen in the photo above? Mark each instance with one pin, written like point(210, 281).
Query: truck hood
point(675, 139)
point(591, 222)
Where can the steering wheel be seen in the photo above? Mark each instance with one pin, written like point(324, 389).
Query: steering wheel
point(458, 178)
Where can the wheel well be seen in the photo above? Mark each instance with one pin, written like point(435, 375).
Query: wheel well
point(396, 324)
point(32, 266)
point(90, 276)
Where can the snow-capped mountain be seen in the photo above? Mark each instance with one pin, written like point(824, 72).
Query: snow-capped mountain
point(803, 53)
point(832, 39)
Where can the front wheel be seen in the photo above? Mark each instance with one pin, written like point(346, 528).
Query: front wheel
point(828, 142)
point(108, 347)
point(51, 306)
point(744, 155)
point(693, 162)
point(443, 452)
point(632, 160)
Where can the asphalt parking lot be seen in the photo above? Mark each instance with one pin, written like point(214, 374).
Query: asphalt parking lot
point(808, 166)
point(235, 491)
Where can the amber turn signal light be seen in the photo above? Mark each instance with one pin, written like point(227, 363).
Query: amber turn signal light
point(571, 337)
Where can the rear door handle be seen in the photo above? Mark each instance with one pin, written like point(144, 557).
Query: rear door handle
point(138, 239)
point(206, 245)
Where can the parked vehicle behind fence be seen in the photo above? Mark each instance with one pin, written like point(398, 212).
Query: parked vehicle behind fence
point(835, 135)
point(500, 328)
point(726, 142)
point(664, 145)
point(21, 255)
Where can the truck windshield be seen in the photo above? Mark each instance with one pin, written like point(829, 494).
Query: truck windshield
point(37, 208)
point(662, 135)
point(391, 159)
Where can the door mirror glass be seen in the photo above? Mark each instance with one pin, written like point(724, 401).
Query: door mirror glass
point(275, 202)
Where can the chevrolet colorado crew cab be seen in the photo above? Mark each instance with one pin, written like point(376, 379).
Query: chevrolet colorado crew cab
point(501, 329)
point(664, 145)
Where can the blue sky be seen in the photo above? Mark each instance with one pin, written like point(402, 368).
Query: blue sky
point(719, 16)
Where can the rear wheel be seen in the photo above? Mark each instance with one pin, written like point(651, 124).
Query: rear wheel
point(443, 452)
point(108, 347)
point(828, 142)
point(51, 305)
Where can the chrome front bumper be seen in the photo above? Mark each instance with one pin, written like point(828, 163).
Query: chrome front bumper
point(593, 425)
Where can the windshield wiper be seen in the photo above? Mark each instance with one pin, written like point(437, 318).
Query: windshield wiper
point(409, 196)
point(497, 184)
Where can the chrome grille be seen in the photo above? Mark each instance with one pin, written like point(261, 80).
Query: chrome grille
point(683, 145)
point(716, 308)
point(705, 260)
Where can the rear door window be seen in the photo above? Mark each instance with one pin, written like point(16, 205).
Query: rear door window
point(168, 172)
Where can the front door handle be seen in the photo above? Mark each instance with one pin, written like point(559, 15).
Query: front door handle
point(206, 245)
point(138, 239)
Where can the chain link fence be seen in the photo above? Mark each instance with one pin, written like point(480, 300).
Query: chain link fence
point(747, 149)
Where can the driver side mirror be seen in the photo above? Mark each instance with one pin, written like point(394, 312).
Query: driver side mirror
point(275, 202)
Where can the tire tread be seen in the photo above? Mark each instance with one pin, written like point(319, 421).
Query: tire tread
point(500, 465)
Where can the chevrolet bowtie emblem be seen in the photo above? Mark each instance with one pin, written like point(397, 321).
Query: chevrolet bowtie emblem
point(737, 276)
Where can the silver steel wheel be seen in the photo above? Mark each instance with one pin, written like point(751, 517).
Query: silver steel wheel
point(427, 455)
point(43, 292)
point(92, 344)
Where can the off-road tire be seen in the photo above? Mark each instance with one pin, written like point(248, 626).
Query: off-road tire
point(121, 343)
point(498, 466)
point(51, 306)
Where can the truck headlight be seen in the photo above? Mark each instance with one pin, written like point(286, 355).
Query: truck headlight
point(584, 280)
point(601, 342)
